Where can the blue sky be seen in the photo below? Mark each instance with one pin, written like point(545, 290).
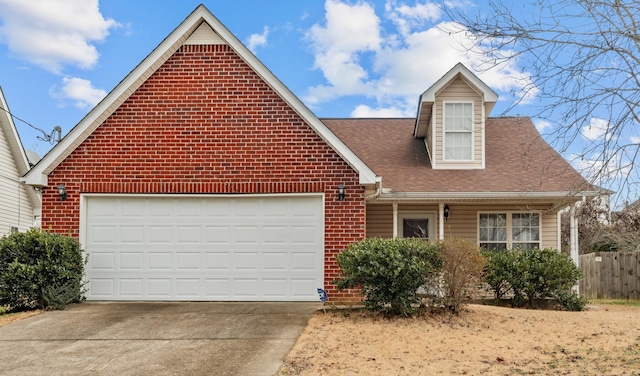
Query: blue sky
point(348, 58)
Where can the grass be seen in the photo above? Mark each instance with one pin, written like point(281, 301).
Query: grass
point(622, 302)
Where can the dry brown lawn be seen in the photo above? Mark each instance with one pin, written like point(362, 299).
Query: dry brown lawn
point(482, 340)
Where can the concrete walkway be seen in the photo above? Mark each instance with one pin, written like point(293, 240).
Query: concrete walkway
point(164, 338)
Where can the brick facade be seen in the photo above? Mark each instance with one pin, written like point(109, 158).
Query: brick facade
point(204, 122)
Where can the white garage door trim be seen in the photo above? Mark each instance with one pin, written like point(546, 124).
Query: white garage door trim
point(157, 258)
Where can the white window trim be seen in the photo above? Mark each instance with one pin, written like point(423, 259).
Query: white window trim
point(430, 215)
point(509, 214)
point(444, 132)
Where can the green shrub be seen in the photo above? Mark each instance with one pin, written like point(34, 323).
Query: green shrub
point(39, 269)
point(388, 271)
point(462, 267)
point(499, 271)
point(530, 274)
point(570, 300)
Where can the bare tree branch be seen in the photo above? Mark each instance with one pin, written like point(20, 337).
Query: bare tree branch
point(584, 60)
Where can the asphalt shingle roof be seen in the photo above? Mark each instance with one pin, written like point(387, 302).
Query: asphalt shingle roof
point(518, 159)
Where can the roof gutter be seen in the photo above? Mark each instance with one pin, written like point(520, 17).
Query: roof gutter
point(480, 196)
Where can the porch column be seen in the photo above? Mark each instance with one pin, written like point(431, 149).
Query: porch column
point(573, 236)
point(441, 221)
point(395, 220)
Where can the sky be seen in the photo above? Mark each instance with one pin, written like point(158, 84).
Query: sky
point(342, 58)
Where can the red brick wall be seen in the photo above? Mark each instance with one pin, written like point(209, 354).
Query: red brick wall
point(206, 123)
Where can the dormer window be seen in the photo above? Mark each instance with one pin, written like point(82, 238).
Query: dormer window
point(458, 131)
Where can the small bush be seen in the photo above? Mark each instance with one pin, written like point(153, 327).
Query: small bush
point(570, 300)
point(530, 274)
point(499, 270)
point(389, 272)
point(40, 270)
point(462, 268)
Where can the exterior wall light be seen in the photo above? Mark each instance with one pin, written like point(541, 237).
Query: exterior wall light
point(62, 192)
point(445, 212)
point(341, 192)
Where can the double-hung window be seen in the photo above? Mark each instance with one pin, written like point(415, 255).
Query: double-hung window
point(458, 131)
point(509, 230)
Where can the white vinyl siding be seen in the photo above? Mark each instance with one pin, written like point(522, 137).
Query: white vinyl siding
point(16, 209)
point(458, 91)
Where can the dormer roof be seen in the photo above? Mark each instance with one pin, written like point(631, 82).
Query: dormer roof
point(429, 96)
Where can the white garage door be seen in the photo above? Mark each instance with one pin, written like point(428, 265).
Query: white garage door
point(267, 248)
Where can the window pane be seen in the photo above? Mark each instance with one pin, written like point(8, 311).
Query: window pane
point(494, 246)
point(415, 228)
point(525, 229)
point(493, 227)
point(526, 245)
point(457, 146)
point(458, 117)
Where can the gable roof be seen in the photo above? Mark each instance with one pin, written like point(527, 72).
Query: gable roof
point(519, 162)
point(191, 31)
point(9, 129)
point(18, 154)
point(429, 96)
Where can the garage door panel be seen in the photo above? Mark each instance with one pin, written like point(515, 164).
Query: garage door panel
point(131, 261)
point(188, 234)
point(130, 286)
point(133, 209)
point(102, 261)
point(218, 234)
point(132, 234)
point(188, 261)
point(217, 261)
point(103, 287)
point(160, 234)
point(103, 234)
point(159, 260)
point(243, 234)
point(217, 209)
point(159, 208)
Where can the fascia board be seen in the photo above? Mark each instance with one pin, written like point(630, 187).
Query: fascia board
point(488, 94)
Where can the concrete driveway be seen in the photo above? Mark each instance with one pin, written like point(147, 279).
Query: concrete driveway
point(181, 338)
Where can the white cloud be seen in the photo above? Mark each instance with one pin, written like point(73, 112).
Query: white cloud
point(54, 33)
point(602, 170)
point(396, 63)
point(81, 92)
point(408, 18)
point(364, 111)
point(635, 140)
point(258, 40)
point(596, 129)
point(542, 125)
point(349, 31)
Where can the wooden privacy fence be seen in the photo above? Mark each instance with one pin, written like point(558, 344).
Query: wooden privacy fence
point(610, 275)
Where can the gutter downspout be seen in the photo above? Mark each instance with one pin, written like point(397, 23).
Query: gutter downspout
point(377, 191)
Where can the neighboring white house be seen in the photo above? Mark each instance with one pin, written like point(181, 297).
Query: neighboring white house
point(20, 205)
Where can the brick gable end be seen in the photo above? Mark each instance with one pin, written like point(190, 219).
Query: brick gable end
point(205, 122)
